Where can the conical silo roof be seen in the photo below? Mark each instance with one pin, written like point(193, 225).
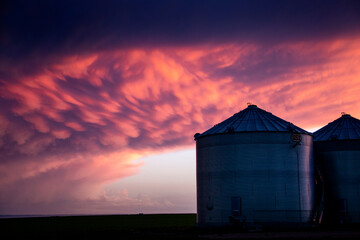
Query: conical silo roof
point(253, 119)
point(344, 128)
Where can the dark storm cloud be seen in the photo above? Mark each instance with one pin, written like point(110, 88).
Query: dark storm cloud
point(30, 27)
point(87, 87)
point(269, 64)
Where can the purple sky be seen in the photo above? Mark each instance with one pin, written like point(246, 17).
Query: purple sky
point(93, 94)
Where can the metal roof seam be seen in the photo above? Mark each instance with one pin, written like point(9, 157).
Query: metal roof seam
point(356, 127)
point(262, 122)
point(343, 128)
point(253, 119)
point(272, 122)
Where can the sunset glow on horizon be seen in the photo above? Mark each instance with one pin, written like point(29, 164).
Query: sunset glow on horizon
point(85, 115)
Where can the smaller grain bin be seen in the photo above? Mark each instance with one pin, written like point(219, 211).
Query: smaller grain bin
point(337, 151)
point(254, 168)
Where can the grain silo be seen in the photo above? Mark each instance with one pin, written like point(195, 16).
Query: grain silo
point(255, 168)
point(337, 149)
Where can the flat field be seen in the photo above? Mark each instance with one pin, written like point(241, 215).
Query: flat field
point(149, 226)
point(146, 226)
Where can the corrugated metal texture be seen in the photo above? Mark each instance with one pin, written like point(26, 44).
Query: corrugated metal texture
point(271, 179)
point(344, 128)
point(342, 184)
point(337, 150)
point(252, 119)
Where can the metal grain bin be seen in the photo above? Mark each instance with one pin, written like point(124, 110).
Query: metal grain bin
point(254, 168)
point(337, 150)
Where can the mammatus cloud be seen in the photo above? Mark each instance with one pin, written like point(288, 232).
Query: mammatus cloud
point(77, 122)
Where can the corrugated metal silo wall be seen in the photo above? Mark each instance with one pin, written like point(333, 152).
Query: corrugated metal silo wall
point(260, 177)
point(340, 166)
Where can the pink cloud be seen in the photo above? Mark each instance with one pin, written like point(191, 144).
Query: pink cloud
point(75, 126)
point(38, 122)
point(83, 121)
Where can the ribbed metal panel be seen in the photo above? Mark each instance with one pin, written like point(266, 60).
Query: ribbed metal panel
point(337, 150)
point(257, 175)
point(253, 119)
point(343, 128)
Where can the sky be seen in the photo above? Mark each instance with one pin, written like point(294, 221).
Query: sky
point(100, 100)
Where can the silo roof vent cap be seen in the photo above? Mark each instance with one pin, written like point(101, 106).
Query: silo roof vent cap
point(344, 114)
point(251, 105)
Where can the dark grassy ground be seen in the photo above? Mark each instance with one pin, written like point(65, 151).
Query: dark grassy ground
point(150, 226)
point(147, 226)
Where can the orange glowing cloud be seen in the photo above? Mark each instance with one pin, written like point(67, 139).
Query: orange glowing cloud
point(82, 123)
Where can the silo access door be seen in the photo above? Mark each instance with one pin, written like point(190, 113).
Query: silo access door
point(236, 210)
